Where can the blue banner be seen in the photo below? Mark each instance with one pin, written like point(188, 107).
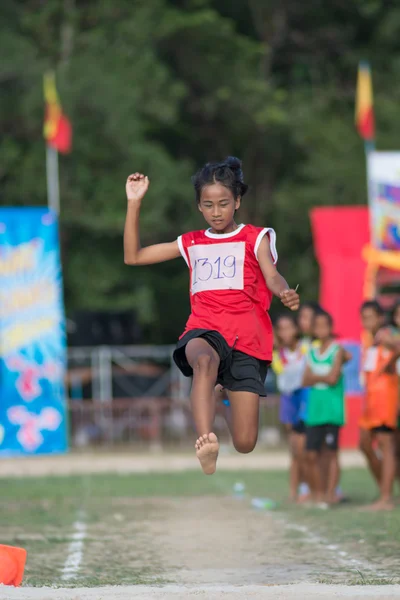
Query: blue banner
point(32, 334)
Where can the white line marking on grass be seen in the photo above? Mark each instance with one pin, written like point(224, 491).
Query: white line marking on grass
point(341, 556)
point(75, 549)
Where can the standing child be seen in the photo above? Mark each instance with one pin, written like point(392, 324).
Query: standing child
point(305, 320)
point(289, 364)
point(379, 419)
point(325, 410)
point(396, 347)
point(228, 338)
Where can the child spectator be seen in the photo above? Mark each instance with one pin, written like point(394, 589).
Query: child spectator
point(306, 314)
point(379, 419)
point(325, 410)
point(289, 364)
point(396, 344)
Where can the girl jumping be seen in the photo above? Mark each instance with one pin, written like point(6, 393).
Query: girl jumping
point(228, 338)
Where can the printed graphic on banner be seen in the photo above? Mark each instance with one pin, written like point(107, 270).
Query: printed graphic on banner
point(32, 334)
point(384, 176)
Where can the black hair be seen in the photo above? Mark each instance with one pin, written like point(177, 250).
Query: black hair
point(325, 314)
point(287, 317)
point(396, 307)
point(373, 305)
point(314, 306)
point(228, 173)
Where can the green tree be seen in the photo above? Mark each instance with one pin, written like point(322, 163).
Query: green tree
point(163, 86)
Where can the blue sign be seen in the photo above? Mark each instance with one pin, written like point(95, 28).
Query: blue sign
point(32, 334)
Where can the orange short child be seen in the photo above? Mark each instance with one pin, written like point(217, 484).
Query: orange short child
point(381, 389)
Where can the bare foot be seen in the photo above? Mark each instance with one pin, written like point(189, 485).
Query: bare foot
point(334, 499)
point(207, 448)
point(304, 498)
point(379, 506)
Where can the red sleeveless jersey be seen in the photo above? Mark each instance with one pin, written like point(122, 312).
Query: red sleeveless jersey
point(228, 292)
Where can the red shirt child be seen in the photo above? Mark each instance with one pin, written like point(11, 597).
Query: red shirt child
point(228, 292)
point(228, 337)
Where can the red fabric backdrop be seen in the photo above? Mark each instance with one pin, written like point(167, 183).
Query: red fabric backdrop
point(339, 235)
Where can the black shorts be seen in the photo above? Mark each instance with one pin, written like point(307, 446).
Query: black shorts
point(299, 427)
point(383, 429)
point(238, 372)
point(319, 435)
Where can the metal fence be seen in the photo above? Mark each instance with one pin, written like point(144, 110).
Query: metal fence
point(135, 395)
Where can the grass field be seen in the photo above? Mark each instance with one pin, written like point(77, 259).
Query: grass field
point(186, 528)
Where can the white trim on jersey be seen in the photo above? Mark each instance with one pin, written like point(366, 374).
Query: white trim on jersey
point(221, 236)
point(272, 243)
point(182, 249)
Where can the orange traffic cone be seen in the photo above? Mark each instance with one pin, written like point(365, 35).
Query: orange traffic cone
point(12, 565)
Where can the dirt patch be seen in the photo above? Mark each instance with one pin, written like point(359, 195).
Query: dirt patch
point(214, 541)
point(197, 541)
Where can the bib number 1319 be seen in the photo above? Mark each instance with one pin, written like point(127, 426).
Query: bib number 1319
point(220, 268)
point(217, 267)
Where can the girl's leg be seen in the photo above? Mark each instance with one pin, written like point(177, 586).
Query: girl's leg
point(387, 448)
point(314, 470)
point(243, 420)
point(397, 446)
point(205, 362)
point(367, 449)
point(332, 463)
point(304, 476)
point(296, 449)
point(325, 461)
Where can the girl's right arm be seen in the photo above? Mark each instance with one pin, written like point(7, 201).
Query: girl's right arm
point(333, 377)
point(136, 188)
point(309, 379)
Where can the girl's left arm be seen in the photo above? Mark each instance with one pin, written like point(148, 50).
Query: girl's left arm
point(275, 282)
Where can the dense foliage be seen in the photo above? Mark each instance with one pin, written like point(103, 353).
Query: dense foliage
point(161, 86)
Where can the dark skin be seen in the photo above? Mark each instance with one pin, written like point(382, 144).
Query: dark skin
point(287, 333)
point(218, 206)
point(391, 339)
point(328, 459)
point(382, 468)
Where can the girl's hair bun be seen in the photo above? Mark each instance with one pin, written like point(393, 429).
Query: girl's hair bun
point(228, 172)
point(235, 164)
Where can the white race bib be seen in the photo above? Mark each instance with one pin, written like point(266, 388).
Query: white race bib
point(217, 266)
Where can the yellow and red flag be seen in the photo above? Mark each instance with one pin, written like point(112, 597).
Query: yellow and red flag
point(365, 121)
point(57, 128)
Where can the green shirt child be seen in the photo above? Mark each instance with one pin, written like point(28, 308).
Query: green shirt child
point(325, 402)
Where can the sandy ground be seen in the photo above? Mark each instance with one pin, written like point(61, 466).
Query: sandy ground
point(75, 463)
point(284, 592)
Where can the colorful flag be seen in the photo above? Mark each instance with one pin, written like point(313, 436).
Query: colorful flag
point(365, 121)
point(57, 128)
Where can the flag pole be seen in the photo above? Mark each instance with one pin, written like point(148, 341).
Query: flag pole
point(53, 186)
point(365, 124)
point(369, 147)
point(372, 270)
